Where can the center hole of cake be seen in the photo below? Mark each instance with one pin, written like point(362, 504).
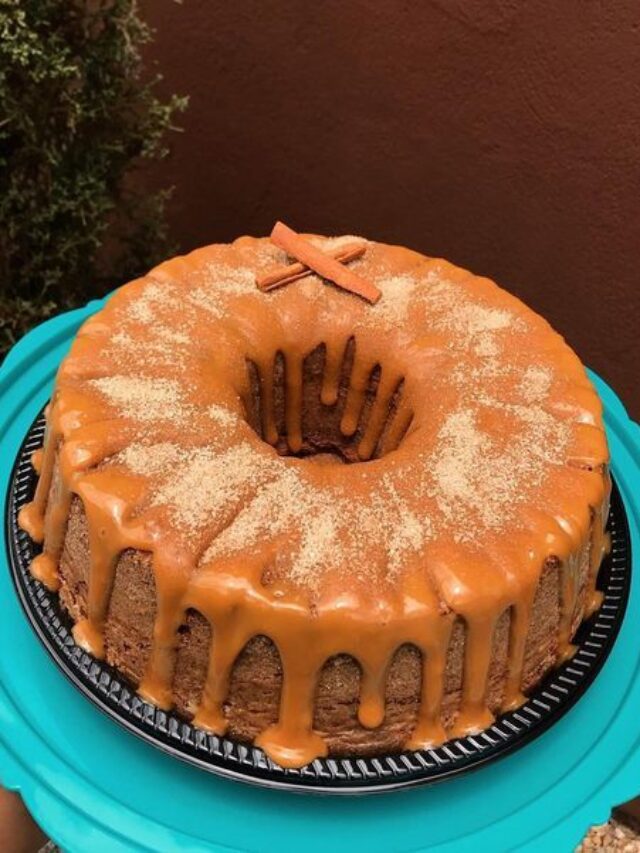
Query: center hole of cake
point(327, 412)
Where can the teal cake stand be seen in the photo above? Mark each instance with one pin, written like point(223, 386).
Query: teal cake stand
point(94, 787)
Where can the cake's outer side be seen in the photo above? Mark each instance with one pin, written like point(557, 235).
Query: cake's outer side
point(296, 600)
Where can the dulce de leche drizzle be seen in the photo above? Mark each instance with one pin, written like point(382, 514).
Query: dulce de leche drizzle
point(480, 457)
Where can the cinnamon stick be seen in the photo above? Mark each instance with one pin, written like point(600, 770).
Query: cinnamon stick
point(322, 264)
point(286, 274)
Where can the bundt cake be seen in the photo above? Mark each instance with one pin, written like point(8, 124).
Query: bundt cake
point(325, 495)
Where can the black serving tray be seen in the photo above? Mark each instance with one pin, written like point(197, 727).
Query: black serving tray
point(103, 686)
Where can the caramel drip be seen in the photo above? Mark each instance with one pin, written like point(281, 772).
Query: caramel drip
point(429, 730)
point(334, 359)
point(474, 714)
point(107, 499)
point(31, 516)
point(518, 632)
point(228, 642)
point(36, 460)
point(417, 592)
point(360, 376)
point(597, 549)
point(371, 710)
point(230, 633)
point(267, 406)
point(293, 402)
point(357, 389)
point(577, 529)
point(172, 568)
point(398, 428)
point(568, 600)
point(292, 741)
point(599, 546)
point(44, 568)
point(45, 517)
point(379, 414)
point(526, 576)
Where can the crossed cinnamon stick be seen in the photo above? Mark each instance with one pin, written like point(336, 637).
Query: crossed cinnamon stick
point(329, 265)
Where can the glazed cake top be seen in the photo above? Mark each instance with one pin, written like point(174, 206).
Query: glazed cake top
point(501, 411)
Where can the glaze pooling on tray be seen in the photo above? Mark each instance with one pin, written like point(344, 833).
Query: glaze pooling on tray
point(449, 450)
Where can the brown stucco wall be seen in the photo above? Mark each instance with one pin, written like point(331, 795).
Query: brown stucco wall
point(502, 134)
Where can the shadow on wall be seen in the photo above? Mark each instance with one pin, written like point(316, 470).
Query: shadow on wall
point(503, 135)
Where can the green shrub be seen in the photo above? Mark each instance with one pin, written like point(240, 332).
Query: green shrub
point(77, 115)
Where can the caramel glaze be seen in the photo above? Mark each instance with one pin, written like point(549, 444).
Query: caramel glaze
point(476, 578)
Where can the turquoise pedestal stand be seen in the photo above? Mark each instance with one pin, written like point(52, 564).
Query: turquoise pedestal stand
point(95, 787)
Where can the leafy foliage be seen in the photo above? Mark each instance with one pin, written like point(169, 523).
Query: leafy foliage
point(77, 115)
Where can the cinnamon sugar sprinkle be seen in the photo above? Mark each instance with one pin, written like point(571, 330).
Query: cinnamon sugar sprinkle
point(254, 496)
point(477, 482)
point(140, 398)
